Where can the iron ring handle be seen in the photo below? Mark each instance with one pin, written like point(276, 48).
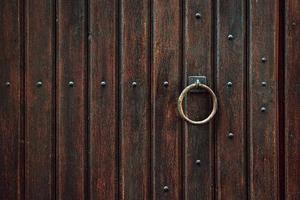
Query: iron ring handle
point(184, 93)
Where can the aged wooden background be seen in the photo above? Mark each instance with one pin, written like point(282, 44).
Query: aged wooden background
point(88, 92)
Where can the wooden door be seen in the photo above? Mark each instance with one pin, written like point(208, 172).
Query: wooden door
point(89, 91)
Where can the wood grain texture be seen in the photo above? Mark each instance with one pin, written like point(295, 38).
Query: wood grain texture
point(166, 125)
point(263, 125)
point(292, 96)
point(134, 100)
point(231, 68)
point(39, 158)
point(71, 103)
point(11, 134)
point(103, 99)
point(126, 141)
point(198, 140)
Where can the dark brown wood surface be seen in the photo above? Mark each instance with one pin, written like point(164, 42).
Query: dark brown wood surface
point(166, 126)
point(39, 100)
point(88, 99)
point(103, 95)
point(230, 77)
point(71, 73)
point(263, 100)
point(292, 97)
point(11, 100)
point(134, 99)
point(198, 152)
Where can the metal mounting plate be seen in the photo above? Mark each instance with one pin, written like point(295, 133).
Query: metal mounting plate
point(195, 79)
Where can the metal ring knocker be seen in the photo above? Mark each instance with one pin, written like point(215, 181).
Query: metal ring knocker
point(184, 93)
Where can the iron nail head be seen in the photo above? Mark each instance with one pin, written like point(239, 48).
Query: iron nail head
point(198, 15)
point(166, 188)
point(39, 83)
point(103, 83)
point(71, 83)
point(230, 37)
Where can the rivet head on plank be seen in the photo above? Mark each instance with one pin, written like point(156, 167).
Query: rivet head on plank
point(198, 162)
point(71, 83)
point(230, 135)
point(264, 59)
point(229, 84)
point(39, 83)
point(7, 83)
point(166, 188)
point(166, 83)
point(293, 23)
point(264, 83)
point(230, 37)
point(263, 109)
point(134, 83)
point(198, 15)
point(103, 83)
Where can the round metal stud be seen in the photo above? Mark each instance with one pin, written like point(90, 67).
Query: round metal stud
point(39, 83)
point(166, 83)
point(198, 15)
point(263, 109)
point(103, 83)
point(293, 23)
point(166, 188)
point(230, 135)
point(71, 83)
point(230, 37)
point(7, 83)
point(264, 59)
point(134, 83)
point(264, 83)
point(198, 162)
point(229, 84)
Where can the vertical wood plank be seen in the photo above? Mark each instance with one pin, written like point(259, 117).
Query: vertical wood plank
point(39, 66)
point(71, 104)
point(166, 125)
point(134, 100)
point(11, 78)
point(199, 149)
point(103, 96)
point(292, 96)
point(231, 87)
point(262, 101)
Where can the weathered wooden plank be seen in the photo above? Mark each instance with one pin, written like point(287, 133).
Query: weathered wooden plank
point(103, 99)
point(231, 91)
point(39, 106)
point(11, 116)
point(198, 140)
point(166, 82)
point(71, 103)
point(292, 96)
point(262, 99)
point(134, 100)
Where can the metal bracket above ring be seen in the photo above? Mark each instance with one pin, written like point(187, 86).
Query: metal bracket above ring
point(197, 79)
